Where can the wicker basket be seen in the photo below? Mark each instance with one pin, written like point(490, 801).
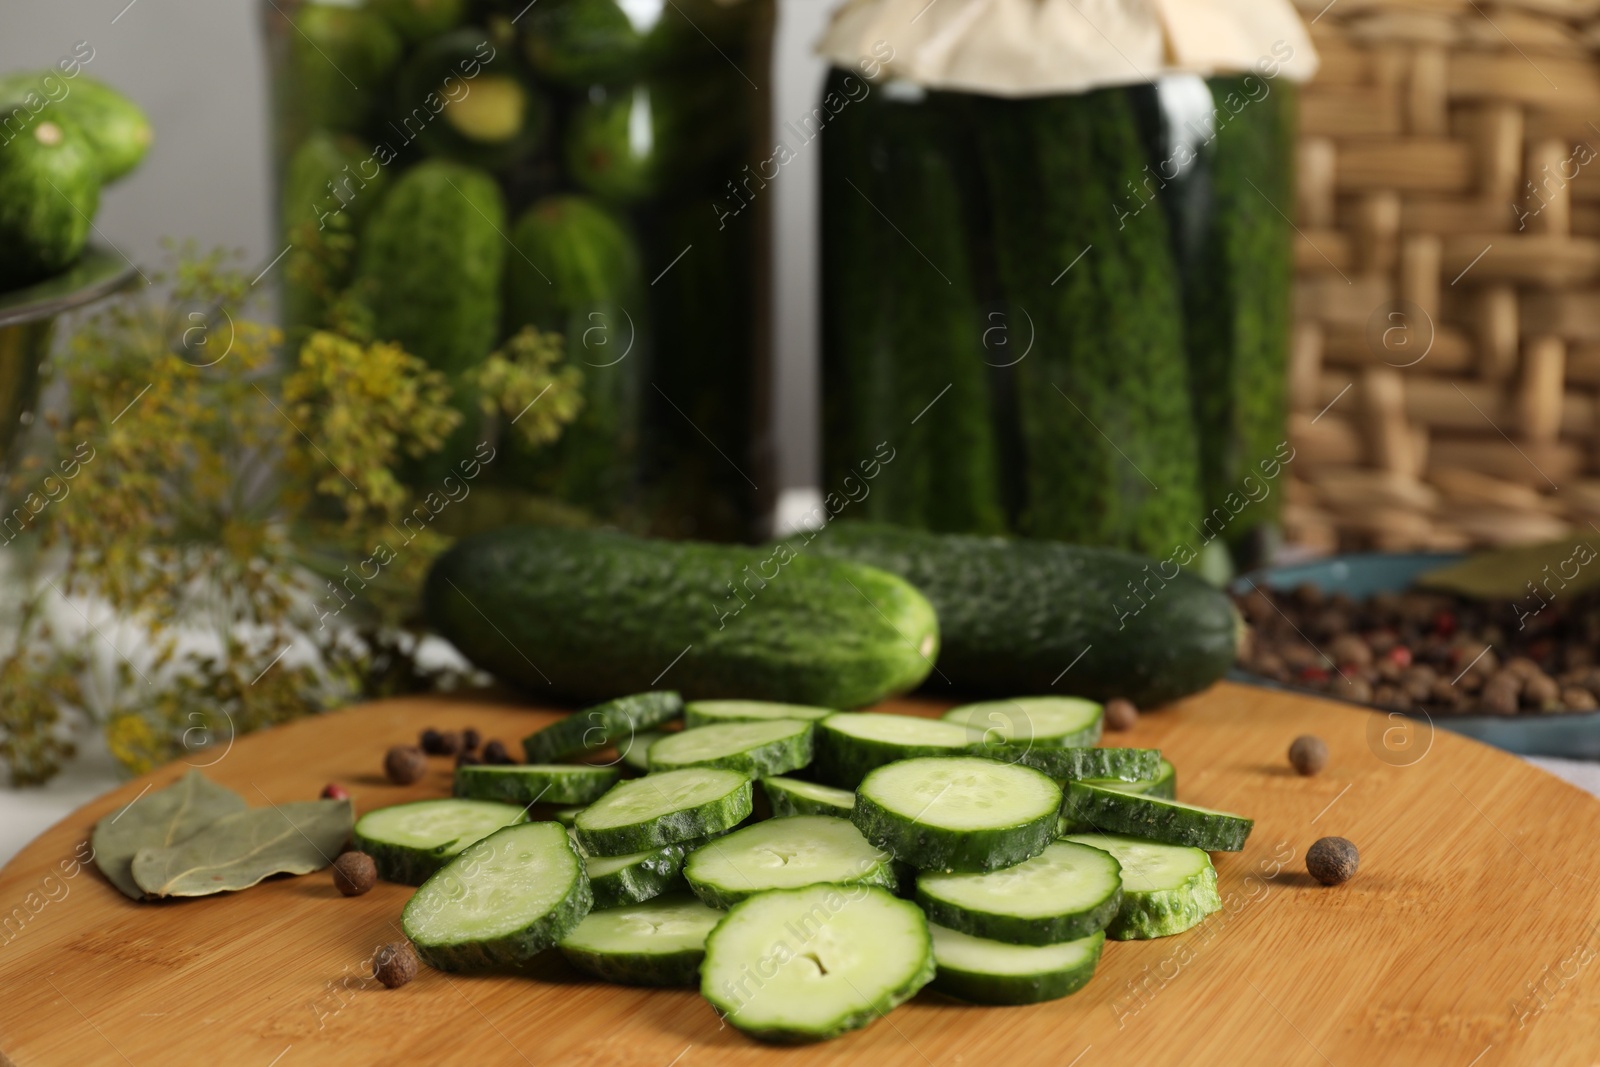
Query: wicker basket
point(1445, 374)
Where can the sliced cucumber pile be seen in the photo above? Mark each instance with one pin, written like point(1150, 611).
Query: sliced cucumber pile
point(994, 972)
point(409, 842)
point(502, 901)
point(636, 877)
point(958, 813)
point(1141, 815)
point(1066, 892)
point(708, 712)
point(613, 723)
point(1056, 722)
point(796, 965)
point(667, 808)
point(791, 796)
point(786, 853)
point(757, 749)
point(1068, 764)
point(534, 783)
point(660, 942)
point(852, 743)
point(1166, 889)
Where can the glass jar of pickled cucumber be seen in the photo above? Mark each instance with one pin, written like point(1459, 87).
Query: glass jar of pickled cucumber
point(462, 169)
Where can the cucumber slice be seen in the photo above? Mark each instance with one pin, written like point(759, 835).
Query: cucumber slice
point(1164, 783)
point(795, 965)
point(660, 942)
point(1065, 893)
point(1166, 889)
point(502, 901)
point(1168, 821)
point(1066, 764)
point(708, 712)
point(635, 751)
point(1059, 722)
point(535, 783)
point(567, 816)
point(755, 748)
point(664, 809)
point(601, 726)
point(852, 743)
point(994, 972)
point(786, 853)
point(791, 796)
point(636, 877)
point(957, 813)
point(409, 842)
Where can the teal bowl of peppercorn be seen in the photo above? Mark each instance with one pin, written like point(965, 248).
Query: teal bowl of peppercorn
point(1574, 735)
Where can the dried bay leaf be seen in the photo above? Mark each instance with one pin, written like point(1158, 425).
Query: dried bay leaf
point(241, 849)
point(158, 820)
point(1527, 572)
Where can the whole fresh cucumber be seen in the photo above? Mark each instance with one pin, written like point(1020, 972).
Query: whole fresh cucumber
point(1023, 616)
point(341, 60)
point(49, 191)
point(591, 614)
point(117, 130)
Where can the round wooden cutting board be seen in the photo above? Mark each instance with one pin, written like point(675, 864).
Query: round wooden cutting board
point(1470, 938)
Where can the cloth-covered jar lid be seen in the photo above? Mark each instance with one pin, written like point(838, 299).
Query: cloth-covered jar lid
point(1041, 47)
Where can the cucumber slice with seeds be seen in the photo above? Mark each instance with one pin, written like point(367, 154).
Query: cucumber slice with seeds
point(1066, 764)
point(1166, 889)
point(664, 809)
point(757, 749)
point(1164, 783)
point(957, 813)
point(659, 943)
point(1067, 892)
point(707, 712)
point(505, 899)
point(797, 965)
point(535, 783)
point(409, 842)
point(1058, 722)
point(1168, 821)
point(852, 743)
point(636, 877)
point(601, 726)
point(993, 972)
point(791, 796)
point(786, 853)
point(635, 751)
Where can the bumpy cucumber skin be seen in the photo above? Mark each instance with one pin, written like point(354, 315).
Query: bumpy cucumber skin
point(850, 1021)
point(656, 969)
point(117, 129)
point(402, 864)
point(636, 883)
point(672, 828)
point(784, 801)
point(1041, 930)
point(1014, 613)
point(779, 756)
point(1065, 764)
point(49, 192)
point(1119, 812)
point(843, 760)
point(938, 849)
point(510, 787)
point(601, 612)
point(978, 988)
point(605, 724)
point(1166, 912)
point(514, 948)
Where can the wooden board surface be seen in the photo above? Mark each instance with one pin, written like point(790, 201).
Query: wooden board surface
point(1469, 938)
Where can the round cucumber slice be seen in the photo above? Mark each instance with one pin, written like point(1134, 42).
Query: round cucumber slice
point(795, 965)
point(755, 748)
point(1050, 721)
point(854, 742)
point(1066, 764)
point(1166, 889)
point(409, 842)
point(786, 853)
point(502, 901)
point(993, 972)
point(1164, 783)
point(791, 796)
point(601, 726)
point(1066, 892)
point(708, 712)
point(958, 813)
point(1168, 821)
point(664, 809)
point(659, 942)
point(635, 751)
point(636, 877)
point(535, 783)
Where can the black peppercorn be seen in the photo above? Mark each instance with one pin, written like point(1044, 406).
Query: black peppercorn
point(1332, 860)
point(1308, 754)
point(495, 752)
